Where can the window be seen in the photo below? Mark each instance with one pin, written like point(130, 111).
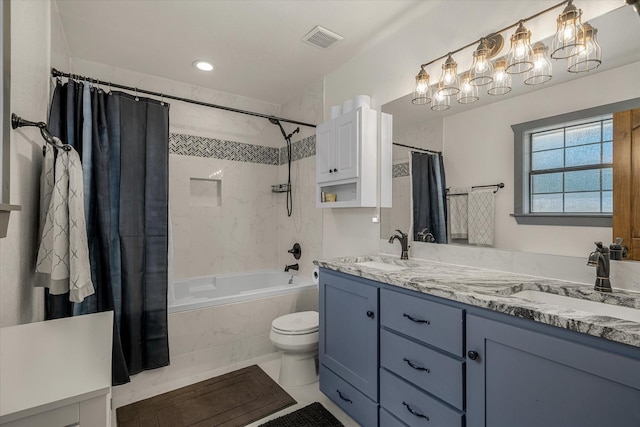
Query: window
point(570, 168)
point(564, 168)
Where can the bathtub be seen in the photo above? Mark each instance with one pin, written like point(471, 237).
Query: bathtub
point(200, 292)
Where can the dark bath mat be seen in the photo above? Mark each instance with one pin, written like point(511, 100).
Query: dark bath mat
point(231, 400)
point(314, 415)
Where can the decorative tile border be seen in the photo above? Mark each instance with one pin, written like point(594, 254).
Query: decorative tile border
point(302, 149)
point(198, 146)
point(190, 145)
point(400, 170)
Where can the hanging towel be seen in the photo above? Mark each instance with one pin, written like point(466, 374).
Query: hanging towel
point(63, 255)
point(459, 212)
point(481, 213)
point(46, 184)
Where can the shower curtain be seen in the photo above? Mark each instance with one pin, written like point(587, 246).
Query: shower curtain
point(124, 144)
point(428, 186)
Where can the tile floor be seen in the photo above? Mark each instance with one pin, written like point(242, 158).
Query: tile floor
point(304, 395)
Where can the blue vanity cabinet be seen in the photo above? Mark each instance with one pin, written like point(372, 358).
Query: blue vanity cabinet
point(530, 377)
point(348, 349)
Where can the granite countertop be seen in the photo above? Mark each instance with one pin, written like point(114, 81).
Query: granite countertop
point(493, 290)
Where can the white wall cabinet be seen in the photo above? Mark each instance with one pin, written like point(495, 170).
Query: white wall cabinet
point(346, 159)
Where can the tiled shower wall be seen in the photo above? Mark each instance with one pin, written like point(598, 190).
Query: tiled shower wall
point(237, 229)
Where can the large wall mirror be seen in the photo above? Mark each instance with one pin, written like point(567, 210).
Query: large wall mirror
point(477, 141)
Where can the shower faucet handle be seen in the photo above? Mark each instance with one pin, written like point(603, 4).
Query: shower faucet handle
point(296, 251)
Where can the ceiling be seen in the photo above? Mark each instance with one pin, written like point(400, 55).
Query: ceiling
point(254, 45)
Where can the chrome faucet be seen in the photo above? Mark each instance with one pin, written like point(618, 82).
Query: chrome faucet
point(404, 242)
point(600, 259)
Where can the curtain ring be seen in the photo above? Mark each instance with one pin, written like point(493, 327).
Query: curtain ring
point(162, 100)
point(137, 99)
point(110, 88)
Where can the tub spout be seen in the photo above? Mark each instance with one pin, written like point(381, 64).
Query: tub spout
point(291, 267)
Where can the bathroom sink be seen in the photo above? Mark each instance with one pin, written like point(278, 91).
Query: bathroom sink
point(597, 308)
point(382, 266)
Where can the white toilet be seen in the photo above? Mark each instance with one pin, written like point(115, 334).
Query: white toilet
point(296, 334)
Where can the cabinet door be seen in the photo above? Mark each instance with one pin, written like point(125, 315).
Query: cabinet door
point(349, 331)
point(526, 378)
point(325, 151)
point(348, 134)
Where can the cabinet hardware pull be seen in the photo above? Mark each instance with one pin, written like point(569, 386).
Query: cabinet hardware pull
point(335, 170)
point(473, 355)
point(416, 367)
point(370, 314)
point(344, 398)
point(414, 412)
point(330, 171)
point(413, 319)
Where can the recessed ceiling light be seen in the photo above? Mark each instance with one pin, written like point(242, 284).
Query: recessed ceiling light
point(203, 65)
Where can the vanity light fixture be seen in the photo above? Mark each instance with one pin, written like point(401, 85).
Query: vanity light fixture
point(440, 101)
point(541, 71)
point(501, 84)
point(519, 58)
point(422, 91)
point(567, 35)
point(203, 65)
point(449, 82)
point(572, 40)
point(481, 72)
point(468, 93)
point(588, 54)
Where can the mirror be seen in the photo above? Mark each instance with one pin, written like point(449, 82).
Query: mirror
point(477, 140)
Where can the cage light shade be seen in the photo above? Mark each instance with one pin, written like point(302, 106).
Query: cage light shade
point(541, 71)
point(468, 93)
point(501, 84)
point(449, 82)
point(588, 55)
point(567, 38)
point(481, 72)
point(519, 58)
point(440, 101)
point(422, 91)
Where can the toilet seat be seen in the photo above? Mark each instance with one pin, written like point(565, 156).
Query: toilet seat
point(303, 323)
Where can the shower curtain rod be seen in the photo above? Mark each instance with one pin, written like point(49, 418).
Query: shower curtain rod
point(57, 73)
point(418, 149)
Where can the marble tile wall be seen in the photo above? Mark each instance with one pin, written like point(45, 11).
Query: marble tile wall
point(203, 341)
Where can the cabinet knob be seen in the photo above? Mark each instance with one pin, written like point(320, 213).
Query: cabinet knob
point(330, 170)
point(473, 355)
point(335, 170)
point(370, 314)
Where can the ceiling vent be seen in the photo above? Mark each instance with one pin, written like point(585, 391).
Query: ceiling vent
point(321, 37)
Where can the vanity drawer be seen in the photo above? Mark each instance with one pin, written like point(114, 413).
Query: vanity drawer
point(413, 406)
point(409, 360)
point(357, 405)
point(436, 324)
point(388, 420)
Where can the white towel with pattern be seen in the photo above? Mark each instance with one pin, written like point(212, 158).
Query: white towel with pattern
point(63, 255)
point(481, 217)
point(459, 212)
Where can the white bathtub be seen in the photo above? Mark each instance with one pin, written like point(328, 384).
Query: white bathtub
point(200, 292)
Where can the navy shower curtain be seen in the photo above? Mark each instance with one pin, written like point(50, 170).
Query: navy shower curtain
point(127, 218)
point(429, 185)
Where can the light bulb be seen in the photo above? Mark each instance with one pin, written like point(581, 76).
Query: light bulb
point(499, 76)
point(439, 96)
point(481, 66)
point(466, 87)
point(568, 33)
point(520, 51)
point(539, 63)
point(421, 88)
point(448, 78)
